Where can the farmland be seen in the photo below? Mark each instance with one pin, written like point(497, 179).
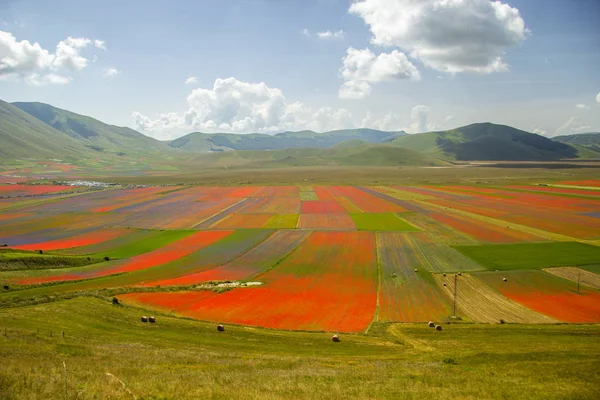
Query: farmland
point(319, 258)
point(307, 259)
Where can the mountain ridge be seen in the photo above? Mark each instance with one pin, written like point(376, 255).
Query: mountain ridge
point(38, 130)
point(215, 142)
point(92, 133)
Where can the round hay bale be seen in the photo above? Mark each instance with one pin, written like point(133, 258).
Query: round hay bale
point(444, 274)
point(106, 258)
point(335, 338)
point(444, 284)
point(505, 280)
point(438, 327)
point(144, 319)
point(152, 319)
point(460, 274)
point(431, 324)
point(221, 328)
point(416, 270)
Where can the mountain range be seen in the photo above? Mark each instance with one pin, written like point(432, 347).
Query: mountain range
point(41, 131)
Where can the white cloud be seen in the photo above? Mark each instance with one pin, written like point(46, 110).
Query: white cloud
point(191, 79)
point(331, 35)
point(235, 106)
point(420, 118)
point(583, 106)
point(48, 79)
point(111, 72)
point(539, 131)
point(37, 66)
point(598, 98)
point(324, 35)
point(361, 68)
point(354, 90)
point(100, 44)
point(448, 35)
point(573, 125)
point(389, 122)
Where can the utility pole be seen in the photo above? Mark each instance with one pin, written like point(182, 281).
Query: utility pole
point(455, 284)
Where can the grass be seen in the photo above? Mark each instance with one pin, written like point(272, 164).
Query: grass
point(532, 255)
point(159, 239)
point(184, 359)
point(381, 222)
point(13, 261)
point(282, 221)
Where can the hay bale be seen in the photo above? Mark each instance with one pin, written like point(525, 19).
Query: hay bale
point(144, 318)
point(505, 280)
point(416, 270)
point(41, 251)
point(444, 274)
point(335, 338)
point(106, 258)
point(152, 319)
point(431, 324)
point(221, 328)
point(460, 274)
point(438, 327)
point(444, 284)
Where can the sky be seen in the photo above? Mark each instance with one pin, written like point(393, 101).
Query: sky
point(170, 68)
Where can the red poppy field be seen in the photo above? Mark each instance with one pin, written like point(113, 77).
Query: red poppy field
point(319, 258)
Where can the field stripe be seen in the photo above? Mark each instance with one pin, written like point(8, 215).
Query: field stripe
point(406, 295)
point(171, 252)
point(573, 274)
point(480, 303)
point(256, 261)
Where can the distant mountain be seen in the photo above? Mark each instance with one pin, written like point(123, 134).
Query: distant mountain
point(93, 134)
point(41, 131)
point(24, 136)
point(582, 141)
point(344, 154)
point(203, 142)
point(487, 142)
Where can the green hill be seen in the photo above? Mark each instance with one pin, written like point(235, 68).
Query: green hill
point(204, 142)
point(92, 133)
point(24, 136)
point(487, 142)
point(366, 154)
point(589, 142)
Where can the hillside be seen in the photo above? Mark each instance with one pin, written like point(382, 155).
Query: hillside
point(582, 141)
point(487, 142)
point(203, 142)
point(24, 136)
point(353, 154)
point(92, 133)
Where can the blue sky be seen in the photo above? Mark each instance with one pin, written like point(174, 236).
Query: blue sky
point(261, 65)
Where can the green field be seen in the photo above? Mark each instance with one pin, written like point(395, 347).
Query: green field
point(532, 255)
point(381, 222)
point(184, 359)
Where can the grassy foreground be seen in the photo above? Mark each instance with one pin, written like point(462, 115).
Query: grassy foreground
point(108, 353)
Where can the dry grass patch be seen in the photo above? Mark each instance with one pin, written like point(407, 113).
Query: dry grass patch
point(574, 274)
point(480, 303)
